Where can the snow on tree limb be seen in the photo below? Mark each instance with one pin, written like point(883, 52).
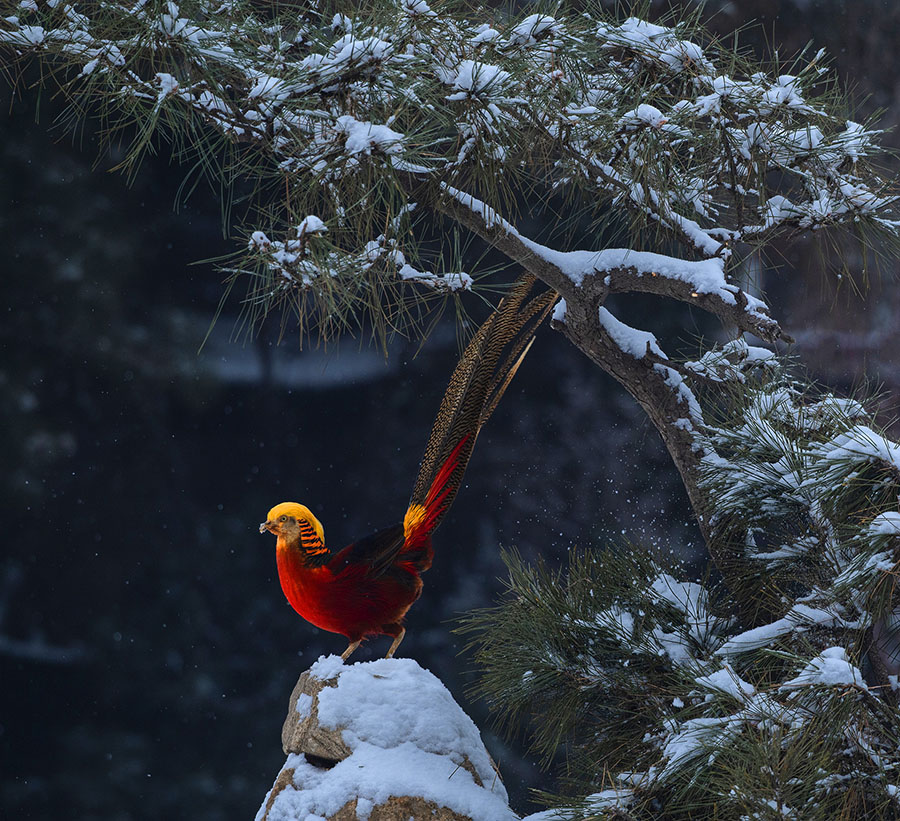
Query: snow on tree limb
point(618, 270)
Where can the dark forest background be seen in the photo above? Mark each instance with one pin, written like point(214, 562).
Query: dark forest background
point(146, 650)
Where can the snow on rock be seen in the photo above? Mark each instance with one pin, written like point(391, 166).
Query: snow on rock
point(559, 311)
point(303, 706)
point(396, 744)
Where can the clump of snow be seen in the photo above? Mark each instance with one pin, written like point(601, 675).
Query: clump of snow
point(407, 736)
point(800, 618)
point(682, 54)
point(417, 8)
point(831, 668)
point(861, 442)
point(531, 29)
point(644, 115)
point(473, 78)
point(365, 137)
point(341, 23)
point(785, 91)
point(885, 524)
point(167, 85)
point(696, 737)
point(778, 209)
point(258, 241)
point(24, 35)
point(269, 88)
point(451, 281)
point(730, 362)
point(856, 141)
point(727, 681)
point(311, 225)
point(485, 34)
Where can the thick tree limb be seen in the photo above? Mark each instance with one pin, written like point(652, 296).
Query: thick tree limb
point(646, 375)
point(596, 279)
point(650, 382)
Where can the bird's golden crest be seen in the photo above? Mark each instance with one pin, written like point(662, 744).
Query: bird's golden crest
point(299, 512)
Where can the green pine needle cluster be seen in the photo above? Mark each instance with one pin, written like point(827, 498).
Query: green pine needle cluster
point(353, 114)
point(666, 697)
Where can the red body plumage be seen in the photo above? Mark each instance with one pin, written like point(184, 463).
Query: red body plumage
point(343, 597)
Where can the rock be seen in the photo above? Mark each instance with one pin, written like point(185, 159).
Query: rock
point(301, 732)
point(383, 741)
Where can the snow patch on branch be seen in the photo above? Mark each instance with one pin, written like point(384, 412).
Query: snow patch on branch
point(800, 618)
point(364, 137)
point(638, 344)
point(632, 341)
point(831, 668)
point(704, 276)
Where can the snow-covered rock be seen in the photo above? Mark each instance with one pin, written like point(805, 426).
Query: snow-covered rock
point(381, 740)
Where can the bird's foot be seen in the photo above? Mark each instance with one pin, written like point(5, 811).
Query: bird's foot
point(397, 639)
point(350, 648)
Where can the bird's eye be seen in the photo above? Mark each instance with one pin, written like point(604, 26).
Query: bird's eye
point(283, 519)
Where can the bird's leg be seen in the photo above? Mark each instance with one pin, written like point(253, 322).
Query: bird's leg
point(397, 639)
point(350, 648)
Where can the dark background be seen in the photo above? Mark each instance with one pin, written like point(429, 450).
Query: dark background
point(146, 650)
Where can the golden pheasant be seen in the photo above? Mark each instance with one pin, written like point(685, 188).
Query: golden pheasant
point(366, 588)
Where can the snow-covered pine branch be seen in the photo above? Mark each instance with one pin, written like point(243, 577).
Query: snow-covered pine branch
point(684, 708)
point(706, 146)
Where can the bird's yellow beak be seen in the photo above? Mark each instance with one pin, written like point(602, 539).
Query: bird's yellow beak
point(264, 526)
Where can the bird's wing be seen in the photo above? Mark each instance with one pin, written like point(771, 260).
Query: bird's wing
point(375, 552)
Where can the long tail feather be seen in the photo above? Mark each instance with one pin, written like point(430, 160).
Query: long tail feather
point(484, 372)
